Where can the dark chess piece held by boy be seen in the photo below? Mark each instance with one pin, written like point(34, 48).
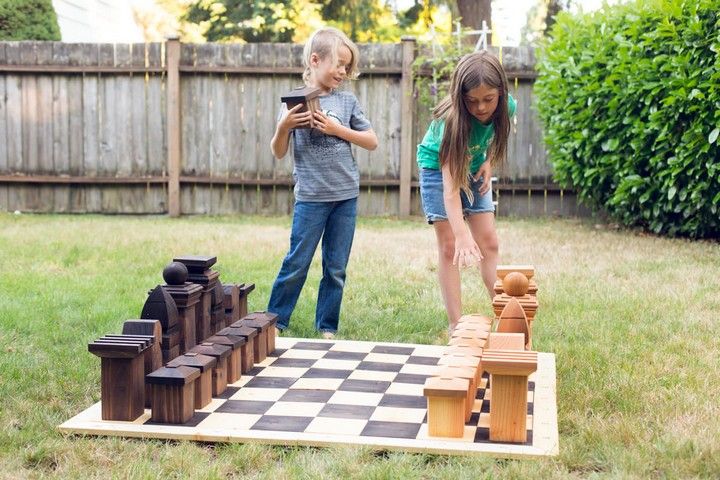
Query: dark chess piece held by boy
point(307, 96)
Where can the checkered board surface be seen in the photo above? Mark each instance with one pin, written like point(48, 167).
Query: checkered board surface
point(318, 392)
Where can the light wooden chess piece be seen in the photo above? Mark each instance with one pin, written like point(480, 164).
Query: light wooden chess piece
point(516, 285)
point(513, 320)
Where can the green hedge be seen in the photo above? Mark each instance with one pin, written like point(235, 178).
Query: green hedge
point(28, 20)
point(630, 101)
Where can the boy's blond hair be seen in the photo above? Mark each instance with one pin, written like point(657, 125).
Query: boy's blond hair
point(327, 41)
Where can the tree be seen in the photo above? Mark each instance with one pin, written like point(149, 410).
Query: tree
point(362, 20)
point(289, 20)
point(28, 20)
point(473, 12)
point(162, 19)
point(244, 20)
point(541, 18)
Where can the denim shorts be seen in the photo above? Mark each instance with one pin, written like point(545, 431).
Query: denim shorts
point(431, 193)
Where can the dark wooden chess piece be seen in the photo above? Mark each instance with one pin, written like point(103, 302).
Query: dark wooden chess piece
point(173, 393)
point(161, 306)
point(199, 272)
point(187, 298)
point(221, 353)
point(308, 97)
point(153, 355)
point(247, 350)
point(122, 366)
point(264, 323)
point(203, 385)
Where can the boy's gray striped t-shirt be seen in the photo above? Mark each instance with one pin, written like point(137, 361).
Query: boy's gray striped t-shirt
point(325, 170)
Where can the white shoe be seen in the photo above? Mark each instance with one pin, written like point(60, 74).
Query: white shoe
point(328, 335)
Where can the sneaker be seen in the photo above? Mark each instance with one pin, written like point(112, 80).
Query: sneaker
point(328, 335)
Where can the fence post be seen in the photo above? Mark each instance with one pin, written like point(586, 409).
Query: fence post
point(172, 63)
point(407, 123)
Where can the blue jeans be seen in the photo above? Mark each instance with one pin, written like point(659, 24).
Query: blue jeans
point(335, 223)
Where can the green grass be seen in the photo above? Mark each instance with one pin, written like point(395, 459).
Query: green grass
point(633, 320)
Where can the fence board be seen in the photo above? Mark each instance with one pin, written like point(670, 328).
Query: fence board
point(3, 127)
point(156, 126)
point(3, 134)
point(111, 121)
point(189, 109)
point(74, 92)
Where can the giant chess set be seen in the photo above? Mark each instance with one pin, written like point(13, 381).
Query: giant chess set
point(198, 366)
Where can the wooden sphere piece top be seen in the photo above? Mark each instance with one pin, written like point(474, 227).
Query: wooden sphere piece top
point(515, 284)
point(175, 273)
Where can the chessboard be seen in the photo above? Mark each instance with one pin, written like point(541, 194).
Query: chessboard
point(339, 392)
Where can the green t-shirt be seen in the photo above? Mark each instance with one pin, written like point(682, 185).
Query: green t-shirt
point(480, 135)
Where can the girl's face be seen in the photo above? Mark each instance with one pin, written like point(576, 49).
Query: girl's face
point(329, 73)
point(482, 101)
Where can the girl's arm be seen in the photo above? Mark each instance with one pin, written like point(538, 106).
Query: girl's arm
point(466, 250)
point(362, 138)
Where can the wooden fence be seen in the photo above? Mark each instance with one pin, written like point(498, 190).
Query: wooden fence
point(185, 128)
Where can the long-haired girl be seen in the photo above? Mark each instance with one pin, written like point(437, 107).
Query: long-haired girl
point(466, 139)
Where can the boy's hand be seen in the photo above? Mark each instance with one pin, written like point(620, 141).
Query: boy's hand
point(293, 119)
point(325, 124)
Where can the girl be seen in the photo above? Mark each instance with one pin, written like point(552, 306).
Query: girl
point(471, 124)
point(327, 181)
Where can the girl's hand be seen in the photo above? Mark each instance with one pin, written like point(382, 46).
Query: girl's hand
point(293, 119)
point(486, 173)
point(467, 253)
point(325, 124)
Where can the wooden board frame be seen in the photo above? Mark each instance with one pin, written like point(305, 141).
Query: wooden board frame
point(545, 439)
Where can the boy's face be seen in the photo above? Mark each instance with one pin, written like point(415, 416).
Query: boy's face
point(481, 102)
point(328, 73)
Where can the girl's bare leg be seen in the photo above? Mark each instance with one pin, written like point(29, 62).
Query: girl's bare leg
point(482, 228)
point(448, 274)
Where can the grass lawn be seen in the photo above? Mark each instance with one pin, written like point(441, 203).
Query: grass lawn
point(633, 320)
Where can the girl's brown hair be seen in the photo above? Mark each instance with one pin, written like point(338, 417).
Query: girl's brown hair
point(473, 70)
point(326, 42)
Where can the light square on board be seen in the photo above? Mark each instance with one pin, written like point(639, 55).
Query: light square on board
point(372, 375)
point(317, 383)
point(336, 364)
point(230, 421)
point(308, 354)
point(259, 394)
point(386, 358)
point(356, 398)
point(406, 389)
point(420, 369)
point(295, 409)
point(362, 347)
point(285, 372)
point(336, 426)
point(395, 414)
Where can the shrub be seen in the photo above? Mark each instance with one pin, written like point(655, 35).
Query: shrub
point(629, 97)
point(28, 20)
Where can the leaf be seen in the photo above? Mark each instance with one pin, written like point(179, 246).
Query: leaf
point(713, 135)
point(671, 192)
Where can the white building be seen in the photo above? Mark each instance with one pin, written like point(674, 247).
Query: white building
point(97, 21)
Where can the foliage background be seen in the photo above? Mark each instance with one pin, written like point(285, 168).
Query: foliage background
point(28, 20)
point(630, 101)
